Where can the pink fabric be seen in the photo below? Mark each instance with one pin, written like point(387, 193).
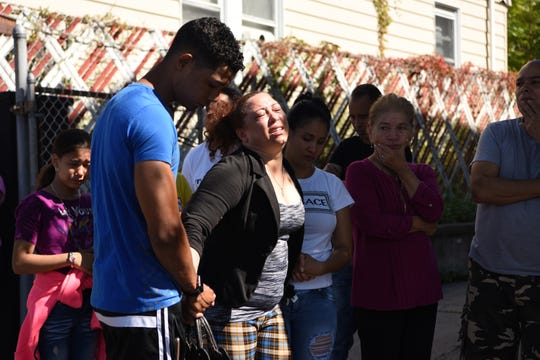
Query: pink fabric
point(392, 268)
point(48, 288)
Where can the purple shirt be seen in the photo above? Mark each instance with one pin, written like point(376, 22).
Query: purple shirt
point(2, 190)
point(54, 226)
point(393, 269)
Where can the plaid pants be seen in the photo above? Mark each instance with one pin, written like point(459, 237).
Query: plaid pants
point(263, 338)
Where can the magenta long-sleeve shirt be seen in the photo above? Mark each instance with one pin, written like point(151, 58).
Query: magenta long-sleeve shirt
point(393, 269)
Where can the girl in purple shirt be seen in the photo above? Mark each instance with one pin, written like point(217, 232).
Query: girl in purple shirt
point(396, 284)
point(54, 239)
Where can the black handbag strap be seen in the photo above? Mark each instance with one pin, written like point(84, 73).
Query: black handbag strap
point(203, 327)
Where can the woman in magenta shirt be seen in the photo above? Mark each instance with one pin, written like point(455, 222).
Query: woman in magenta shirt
point(396, 285)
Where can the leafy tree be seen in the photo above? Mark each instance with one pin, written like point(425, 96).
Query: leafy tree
point(523, 33)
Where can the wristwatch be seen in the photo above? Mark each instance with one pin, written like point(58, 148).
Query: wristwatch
point(71, 258)
point(197, 291)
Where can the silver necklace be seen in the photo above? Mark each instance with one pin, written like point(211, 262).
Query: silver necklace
point(282, 185)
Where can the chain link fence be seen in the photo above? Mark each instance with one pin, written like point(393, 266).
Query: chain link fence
point(57, 109)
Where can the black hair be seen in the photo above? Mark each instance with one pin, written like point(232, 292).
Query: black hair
point(308, 107)
point(232, 92)
point(369, 90)
point(211, 42)
point(67, 141)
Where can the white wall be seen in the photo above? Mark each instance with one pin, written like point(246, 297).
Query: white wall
point(412, 30)
point(350, 24)
point(156, 14)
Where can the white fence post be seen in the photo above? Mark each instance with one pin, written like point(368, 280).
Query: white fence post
point(23, 144)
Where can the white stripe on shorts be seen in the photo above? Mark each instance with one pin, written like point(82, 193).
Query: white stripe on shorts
point(159, 321)
point(128, 321)
point(163, 332)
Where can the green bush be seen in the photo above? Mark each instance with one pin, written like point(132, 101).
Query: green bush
point(458, 207)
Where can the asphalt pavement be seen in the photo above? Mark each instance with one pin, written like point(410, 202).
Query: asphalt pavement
point(445, 342)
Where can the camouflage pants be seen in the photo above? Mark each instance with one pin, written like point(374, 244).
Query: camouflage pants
point(501, 313)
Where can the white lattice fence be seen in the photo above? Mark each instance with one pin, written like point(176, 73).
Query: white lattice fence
point(84, 54)
point(453, 105)
point(102, 56)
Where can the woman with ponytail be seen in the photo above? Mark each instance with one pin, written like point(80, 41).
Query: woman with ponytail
point(53, 240)
point(310, 315)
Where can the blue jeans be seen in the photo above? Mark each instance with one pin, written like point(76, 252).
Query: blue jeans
point(66, 335)
point(346, 324)
point(310, 319)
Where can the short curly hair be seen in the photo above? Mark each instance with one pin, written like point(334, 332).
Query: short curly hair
point(211, 41)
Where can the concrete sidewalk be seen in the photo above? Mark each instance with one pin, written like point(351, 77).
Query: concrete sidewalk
point(445, 343)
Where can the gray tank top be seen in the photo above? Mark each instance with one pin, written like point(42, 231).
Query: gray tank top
point(269, 290)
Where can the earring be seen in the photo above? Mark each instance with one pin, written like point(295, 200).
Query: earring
point(56, 169)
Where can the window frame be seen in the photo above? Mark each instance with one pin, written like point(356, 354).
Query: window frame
point(231, 13)
point(205, 5)
point(453, 14)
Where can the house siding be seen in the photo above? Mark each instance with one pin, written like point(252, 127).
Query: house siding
point(474, 28)
point(156, 14)
point(350, 24)
point(411, 32)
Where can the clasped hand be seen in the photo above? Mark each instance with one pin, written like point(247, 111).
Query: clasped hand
point(306, 269)
point(193, 307)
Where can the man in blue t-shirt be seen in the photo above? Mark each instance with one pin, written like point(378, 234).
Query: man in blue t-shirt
point(501, 315)
point(144, 265)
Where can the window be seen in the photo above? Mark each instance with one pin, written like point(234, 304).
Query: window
point(447, 33)
point(259, 19)
point(250, 19)
point(192, 9)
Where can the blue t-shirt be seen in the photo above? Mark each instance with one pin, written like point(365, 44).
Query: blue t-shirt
point(507, 238)
point(134, 126)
